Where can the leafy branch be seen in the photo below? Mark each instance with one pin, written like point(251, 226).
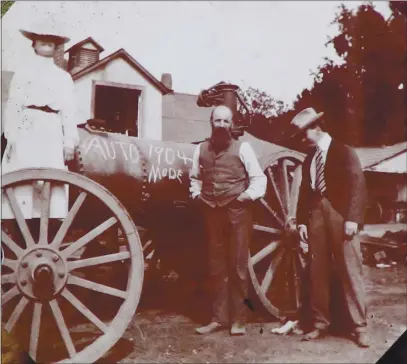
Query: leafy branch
point(5, 6)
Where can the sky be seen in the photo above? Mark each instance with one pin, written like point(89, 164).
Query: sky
point(270, 45)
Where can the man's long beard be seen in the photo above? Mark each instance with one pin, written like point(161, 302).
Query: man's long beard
point(221, 137)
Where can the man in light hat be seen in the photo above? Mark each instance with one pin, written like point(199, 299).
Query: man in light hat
point(330, 213)
point(226, 178)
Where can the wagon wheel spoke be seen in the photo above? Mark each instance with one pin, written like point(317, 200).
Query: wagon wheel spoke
point(8, 278)
point(20, 218)
point(9, 295)
point(39, 254)
point(45, 210)
point(277, 192)
point(270, 273)
point(147, 244)
point(84, 310)
point(276, 284)
point(272, 212)
point(266, 251)
point(285, 184)
point(295, 191)
point(18, 310)
point(11, 244)
point(266, 229)
point(63, 329)
point(68, 220)
point(80, 243)
point(96, 287)
point(12, 264)
point(35, 330)
point(98, 260)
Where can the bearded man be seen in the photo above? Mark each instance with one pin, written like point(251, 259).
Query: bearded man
point(226, 178)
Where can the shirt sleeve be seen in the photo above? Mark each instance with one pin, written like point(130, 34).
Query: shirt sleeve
point(69, 114)
point(195, 175)
point(258, 180)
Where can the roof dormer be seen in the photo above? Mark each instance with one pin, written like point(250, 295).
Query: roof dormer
point(83, 55)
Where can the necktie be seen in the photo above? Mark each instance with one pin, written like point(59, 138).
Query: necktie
point(319, 174)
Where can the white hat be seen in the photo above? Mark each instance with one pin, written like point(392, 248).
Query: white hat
point(305, 119)
point(44, 28)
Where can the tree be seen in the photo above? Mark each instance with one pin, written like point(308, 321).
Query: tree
point(5, 6)
point(400, 6)
point(263, 110)
point(374, 51)
point(364, 99)
point(261, 103)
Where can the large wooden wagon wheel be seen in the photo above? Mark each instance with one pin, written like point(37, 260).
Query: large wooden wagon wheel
point(40, 280)
point(276, 257)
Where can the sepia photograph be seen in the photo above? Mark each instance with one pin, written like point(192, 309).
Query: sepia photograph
point(204, 182)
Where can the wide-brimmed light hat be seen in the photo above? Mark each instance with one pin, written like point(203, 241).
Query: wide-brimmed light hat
point(305, 119)
point(44, 29)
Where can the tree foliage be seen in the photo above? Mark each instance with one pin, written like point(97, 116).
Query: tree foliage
point(259, 102)
point(263, 109)
point(5, 6)
point(364, 98)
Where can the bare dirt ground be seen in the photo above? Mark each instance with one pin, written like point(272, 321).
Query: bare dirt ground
point(162, 336)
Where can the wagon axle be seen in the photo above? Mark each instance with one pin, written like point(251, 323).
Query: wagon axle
point(42, 273)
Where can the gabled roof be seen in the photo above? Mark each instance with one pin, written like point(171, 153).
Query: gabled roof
point(370, 157)
point(121, 53)
point(396, 164)
point(87, 40)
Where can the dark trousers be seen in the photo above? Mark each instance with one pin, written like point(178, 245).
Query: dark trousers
point(331, 254)
point(228, 232)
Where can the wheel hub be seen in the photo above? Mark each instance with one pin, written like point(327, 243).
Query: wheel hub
point(42, 273)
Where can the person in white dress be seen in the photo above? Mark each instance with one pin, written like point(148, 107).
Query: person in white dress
point(40, 124)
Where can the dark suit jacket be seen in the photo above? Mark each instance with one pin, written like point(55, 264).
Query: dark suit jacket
point(345, 184)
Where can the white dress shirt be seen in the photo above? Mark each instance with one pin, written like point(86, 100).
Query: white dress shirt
point(258, 180)
point(323, 144)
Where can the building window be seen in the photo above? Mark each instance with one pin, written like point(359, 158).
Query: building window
point(118, 107)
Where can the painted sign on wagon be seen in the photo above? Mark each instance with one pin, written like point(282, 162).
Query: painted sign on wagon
point(162, 161)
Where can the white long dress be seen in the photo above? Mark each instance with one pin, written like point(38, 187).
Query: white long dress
point(36, 138)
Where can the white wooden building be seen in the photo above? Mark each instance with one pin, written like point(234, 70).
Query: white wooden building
point(115, 88)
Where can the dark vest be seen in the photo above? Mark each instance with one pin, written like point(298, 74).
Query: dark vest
point(224, 176)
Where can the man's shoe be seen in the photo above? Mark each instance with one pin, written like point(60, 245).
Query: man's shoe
point(288, 327)
point(298, 331)
point(213, 326)
point(362, 339)
point(313, 335)
point(237, 329)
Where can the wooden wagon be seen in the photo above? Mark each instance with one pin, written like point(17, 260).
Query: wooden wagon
point(119, 187)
